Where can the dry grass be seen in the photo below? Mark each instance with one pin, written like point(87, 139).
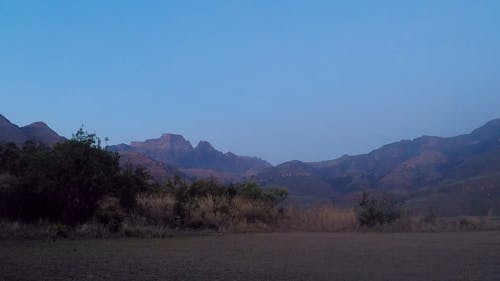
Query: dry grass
point(156, 218)
point(156, 209)
point(320, 218)
point(242, 215)
point(328, 218)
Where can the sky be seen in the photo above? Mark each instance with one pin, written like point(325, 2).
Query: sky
point(281, 80)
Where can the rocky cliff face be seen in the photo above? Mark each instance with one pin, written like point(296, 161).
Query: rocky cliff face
point(169, 148)
point(175, 150)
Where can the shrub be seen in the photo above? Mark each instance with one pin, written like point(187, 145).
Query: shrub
point(373, 211)
point(110, 215)
point(208, 204)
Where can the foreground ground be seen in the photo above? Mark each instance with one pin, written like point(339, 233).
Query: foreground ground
point(289, 256)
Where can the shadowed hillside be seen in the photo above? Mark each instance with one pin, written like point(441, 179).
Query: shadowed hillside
point(37, 132)
point(402, 168)
point(158, 170)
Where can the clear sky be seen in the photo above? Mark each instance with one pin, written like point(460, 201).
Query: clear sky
point(283, 80)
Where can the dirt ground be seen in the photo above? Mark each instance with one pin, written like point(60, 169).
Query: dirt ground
point(277, 256)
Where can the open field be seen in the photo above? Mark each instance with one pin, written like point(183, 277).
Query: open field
point(277, 256)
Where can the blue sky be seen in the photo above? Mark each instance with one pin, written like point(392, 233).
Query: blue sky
point(283, 80)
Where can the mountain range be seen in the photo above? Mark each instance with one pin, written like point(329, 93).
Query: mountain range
point(200, 161)
point(465, 170)
point(458, 174)
point(37, 131)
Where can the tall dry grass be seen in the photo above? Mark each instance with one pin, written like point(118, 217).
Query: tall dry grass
point(236, 215)
point(156, 218)
point(329, 218)
point(156, 209)
point(319, 218)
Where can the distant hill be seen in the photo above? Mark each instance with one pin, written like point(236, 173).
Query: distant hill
point(159, 171)
point(201, 160)
point(37, 132)
point(408, 169)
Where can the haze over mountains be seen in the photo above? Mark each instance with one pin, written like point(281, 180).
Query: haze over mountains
point(459, 173)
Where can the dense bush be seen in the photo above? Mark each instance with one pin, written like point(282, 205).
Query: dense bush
point(208, 204)
point(64, 183)
point(374, 211)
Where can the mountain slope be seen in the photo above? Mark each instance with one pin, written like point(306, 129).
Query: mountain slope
point(400, 168)
point(37, 132)
point(159, 171)
point(10, 132)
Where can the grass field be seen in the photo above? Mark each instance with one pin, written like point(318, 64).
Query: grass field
point(278, 256)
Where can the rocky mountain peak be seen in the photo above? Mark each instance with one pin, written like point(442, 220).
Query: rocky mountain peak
point(205, 146)
point(165, 141)
point(172, 137)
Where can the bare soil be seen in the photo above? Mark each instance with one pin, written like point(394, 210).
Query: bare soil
point(277, 256)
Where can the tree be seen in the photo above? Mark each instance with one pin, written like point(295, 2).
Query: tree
point(83, 173)
point(65, 183)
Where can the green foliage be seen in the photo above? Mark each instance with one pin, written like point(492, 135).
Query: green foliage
point(222, 200)
point(130, 183)
point(64, 183)
point(82, 174)
point(373, 211)
point(274, 195)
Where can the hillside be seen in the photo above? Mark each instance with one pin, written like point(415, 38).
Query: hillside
point(404, 168)
point(159, 171)
point(37, 132)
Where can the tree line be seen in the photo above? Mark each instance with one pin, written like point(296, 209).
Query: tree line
point(70, 183)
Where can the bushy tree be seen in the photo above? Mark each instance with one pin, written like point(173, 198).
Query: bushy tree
point(130, 183)
point(377, 211)
point(65, 183)
point(223, 201)
point(83, 173)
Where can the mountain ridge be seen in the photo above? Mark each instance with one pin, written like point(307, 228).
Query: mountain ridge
point(463, 169)
point(175, 150)
point(402, 168)
point(37, 132)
